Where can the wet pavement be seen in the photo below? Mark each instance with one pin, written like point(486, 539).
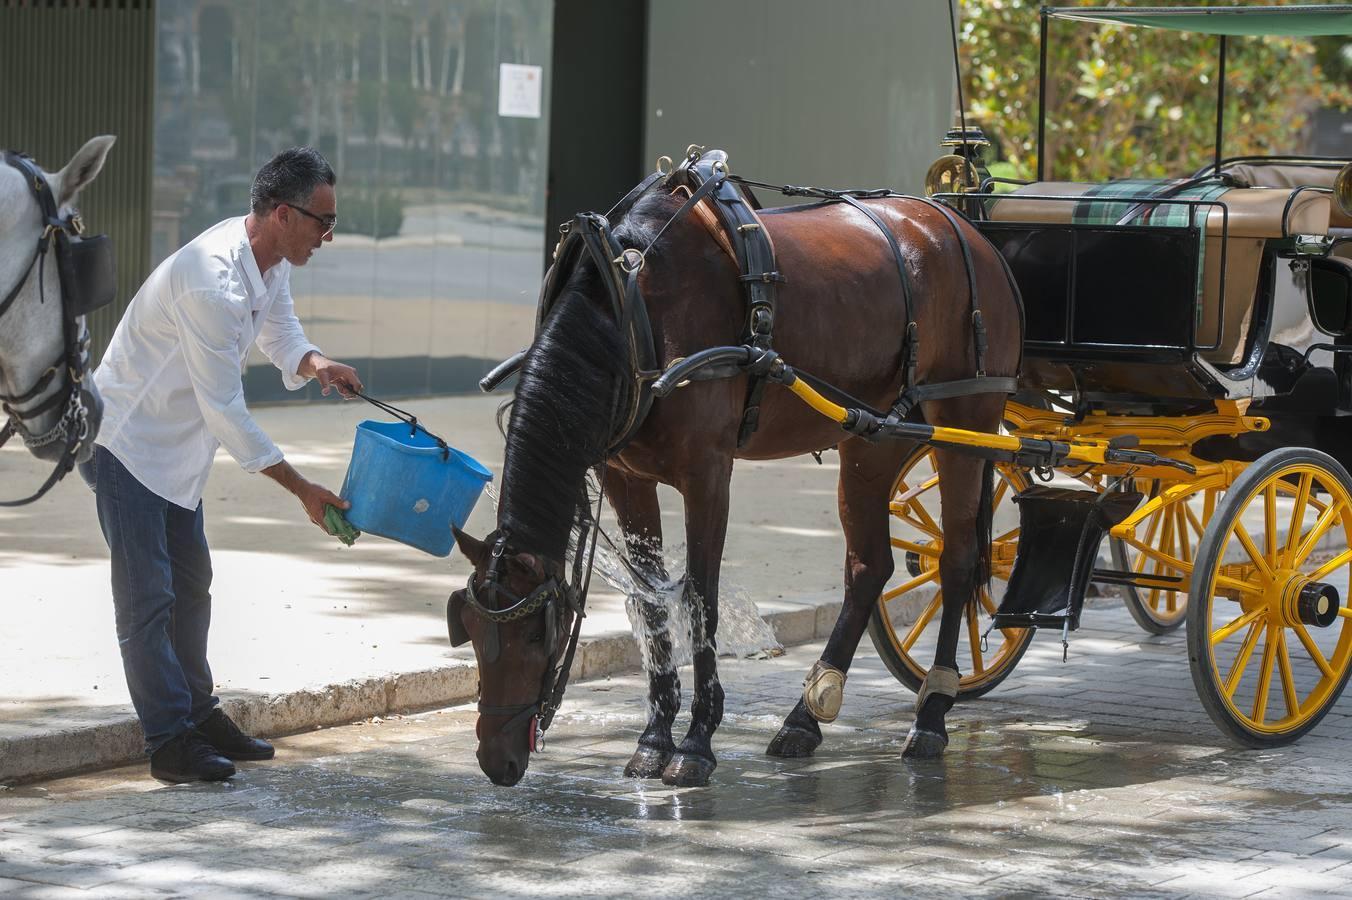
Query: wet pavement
point(1100, 777)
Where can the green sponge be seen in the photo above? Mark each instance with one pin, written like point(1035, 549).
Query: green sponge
point(339, 526)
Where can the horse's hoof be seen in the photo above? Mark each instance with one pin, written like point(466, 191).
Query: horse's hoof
point(793, 742)
point(688, 771)
point(922, 743)
point(647, 763)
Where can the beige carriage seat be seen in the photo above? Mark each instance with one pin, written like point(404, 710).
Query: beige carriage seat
point(1255, 215)
point(1290, 176)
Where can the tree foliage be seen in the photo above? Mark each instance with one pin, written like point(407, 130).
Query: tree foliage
point(1126, 101)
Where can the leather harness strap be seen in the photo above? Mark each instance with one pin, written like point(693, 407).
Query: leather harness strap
point(755, 255)
point(910, 349)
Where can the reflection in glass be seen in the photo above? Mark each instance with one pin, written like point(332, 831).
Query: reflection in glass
point(433, 270)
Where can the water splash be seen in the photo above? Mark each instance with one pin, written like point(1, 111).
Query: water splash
point(741, 630)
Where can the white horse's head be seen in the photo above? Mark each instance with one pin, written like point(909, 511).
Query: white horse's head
point(32, 339)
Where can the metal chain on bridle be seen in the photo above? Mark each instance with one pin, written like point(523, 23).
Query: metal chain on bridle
point(85, 275)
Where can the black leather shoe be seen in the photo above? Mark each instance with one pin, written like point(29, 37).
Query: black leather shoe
point(189, 757)
point(226, 737)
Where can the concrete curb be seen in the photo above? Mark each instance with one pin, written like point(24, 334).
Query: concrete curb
point(70, 750)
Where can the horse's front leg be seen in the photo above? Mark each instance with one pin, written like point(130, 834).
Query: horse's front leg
point(867, 472)
point(706, 528)
point(635, 503)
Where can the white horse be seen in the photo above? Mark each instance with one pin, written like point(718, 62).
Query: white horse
point(31, 328)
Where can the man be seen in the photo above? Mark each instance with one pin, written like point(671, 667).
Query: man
point(173, 393)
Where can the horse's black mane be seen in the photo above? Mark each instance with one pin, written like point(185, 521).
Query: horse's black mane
point(561, 415)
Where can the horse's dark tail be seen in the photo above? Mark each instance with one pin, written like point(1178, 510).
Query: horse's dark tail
point(985, 513)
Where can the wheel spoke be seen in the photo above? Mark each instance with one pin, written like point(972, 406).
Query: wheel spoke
point(1320, 527)
point(1288, 679)
point(1331, 566)
point(1195, 522)
point(918, 628)
point(1000, 488)
point(1252, 549)
point(1270, 522)
point(1009, 535)
point(1313, 649)
point(917, 581)
point(1260, 697)
point(986, 602)
point(1181, 531)
point(1298, 511)
point(1225, 631)
point(1149, 539)
point(1239, 587)
point(932, 530)
point(922, 549)
point(925, 517)
point(1242, 659)
point(911, 493)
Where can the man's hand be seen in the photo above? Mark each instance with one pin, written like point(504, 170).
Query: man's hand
point(330, 375)
point(312, 496)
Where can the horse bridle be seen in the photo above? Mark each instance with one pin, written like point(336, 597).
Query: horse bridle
point(556, 598)
point(85, 270)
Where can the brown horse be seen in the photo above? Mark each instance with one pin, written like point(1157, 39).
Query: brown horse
point(840, 316)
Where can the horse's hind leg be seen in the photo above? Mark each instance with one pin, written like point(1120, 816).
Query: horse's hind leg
point(706, 495)
point(867, 472)
point(635, 503)
point(965, 503)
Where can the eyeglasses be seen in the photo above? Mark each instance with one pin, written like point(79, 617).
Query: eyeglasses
point(329, 222)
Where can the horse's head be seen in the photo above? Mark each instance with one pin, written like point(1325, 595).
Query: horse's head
point(35, 380)
point(515, 611)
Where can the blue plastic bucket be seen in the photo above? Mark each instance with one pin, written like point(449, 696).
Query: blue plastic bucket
point(405, 487)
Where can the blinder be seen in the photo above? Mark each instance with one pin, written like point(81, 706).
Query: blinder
point(88, 272)
point(454, 624)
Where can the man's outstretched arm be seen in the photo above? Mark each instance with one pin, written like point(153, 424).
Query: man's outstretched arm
point(312, 496)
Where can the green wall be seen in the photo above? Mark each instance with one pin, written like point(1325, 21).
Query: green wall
point(852, 93)
point(71, 71)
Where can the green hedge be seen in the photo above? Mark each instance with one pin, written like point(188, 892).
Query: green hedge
point(378, 214)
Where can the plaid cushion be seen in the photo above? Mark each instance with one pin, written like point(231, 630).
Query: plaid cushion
point(1135, 211)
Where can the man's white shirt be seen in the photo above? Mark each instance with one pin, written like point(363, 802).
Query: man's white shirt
point(171, 379)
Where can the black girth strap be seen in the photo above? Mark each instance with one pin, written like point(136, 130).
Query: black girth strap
point(910, 350)
point(913, 393)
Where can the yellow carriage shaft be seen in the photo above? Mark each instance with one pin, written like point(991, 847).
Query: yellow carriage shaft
point(1047, 438)
point(1035, 451)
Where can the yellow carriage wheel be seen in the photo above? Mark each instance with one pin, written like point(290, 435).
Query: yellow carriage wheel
point(1269, 625)
point(904, 625)
point(1176, 530)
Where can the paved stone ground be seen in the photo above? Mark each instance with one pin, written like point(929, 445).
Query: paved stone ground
point(1102, 777)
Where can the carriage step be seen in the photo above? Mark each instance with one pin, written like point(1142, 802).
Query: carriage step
point(1060, 530)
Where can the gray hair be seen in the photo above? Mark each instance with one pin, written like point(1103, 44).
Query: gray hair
point(289, 178)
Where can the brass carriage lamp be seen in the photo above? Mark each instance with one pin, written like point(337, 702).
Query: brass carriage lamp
point(1342, 189)
point(963, 168)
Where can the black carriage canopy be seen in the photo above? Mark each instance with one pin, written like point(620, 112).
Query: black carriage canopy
point(1308, 20)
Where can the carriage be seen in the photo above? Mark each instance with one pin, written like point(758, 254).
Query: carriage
point(1017, 372)
point(1204, 319)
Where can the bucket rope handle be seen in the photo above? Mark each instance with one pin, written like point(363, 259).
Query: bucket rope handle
point(408, 419)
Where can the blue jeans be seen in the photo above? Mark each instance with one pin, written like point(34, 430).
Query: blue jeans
point(161, 596)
